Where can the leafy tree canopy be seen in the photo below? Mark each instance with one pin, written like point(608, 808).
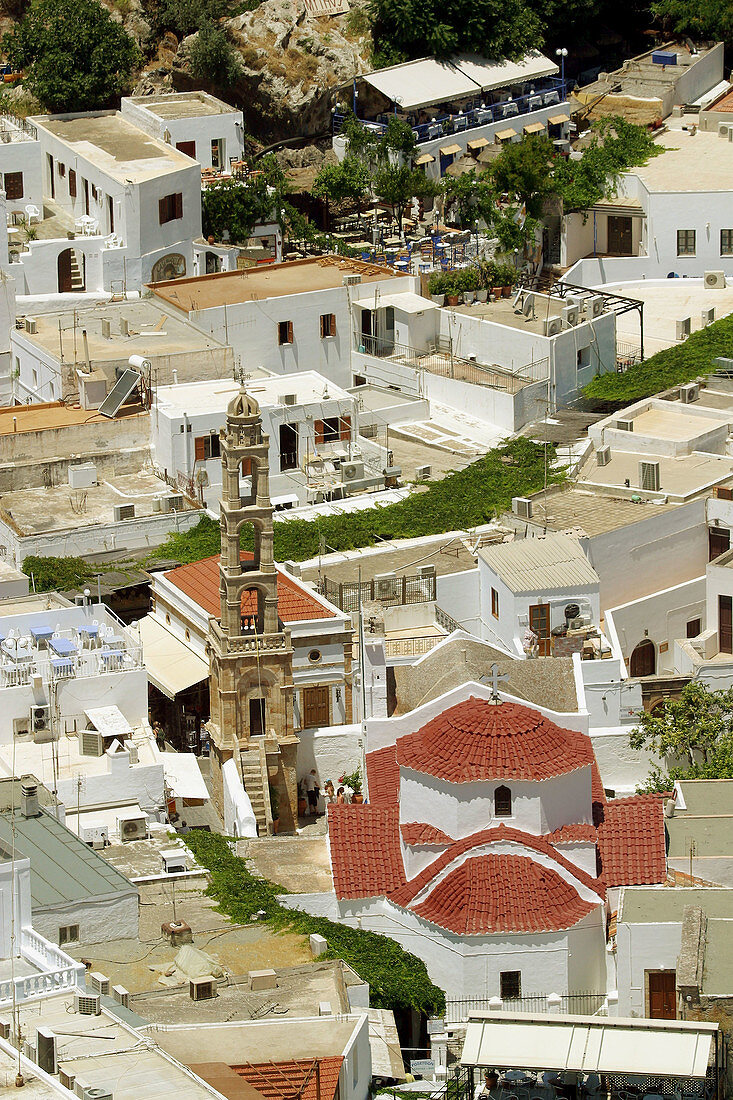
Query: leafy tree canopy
point(76, 58)
point(349, 179)
point(184, 17)
point(213, 58)
point(700, 19)
point(615, 146)
point(57, 574)
point(693, 735)
point(236, 205)
point(524, 170)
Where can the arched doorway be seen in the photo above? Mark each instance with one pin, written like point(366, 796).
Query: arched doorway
point(644, 659)
point(213, 263)
point(169, 267)
point(70, 271)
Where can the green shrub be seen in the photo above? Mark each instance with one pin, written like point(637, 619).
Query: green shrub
point(58, 574)
point(437, 282)
point(468, 278)
point(670, 367)
point(397, 979)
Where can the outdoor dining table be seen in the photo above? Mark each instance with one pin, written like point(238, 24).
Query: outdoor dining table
point(62, 647)
point(41, 632)
point(62, 666)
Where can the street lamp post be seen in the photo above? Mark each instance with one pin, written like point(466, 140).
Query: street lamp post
point(562, 53)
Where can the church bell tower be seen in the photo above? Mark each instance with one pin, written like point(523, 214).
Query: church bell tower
point(251, 656)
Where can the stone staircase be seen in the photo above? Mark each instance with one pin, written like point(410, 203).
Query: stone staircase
point(253, 769)
point(77, 281)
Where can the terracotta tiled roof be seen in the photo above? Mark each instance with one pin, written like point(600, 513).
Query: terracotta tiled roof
point(419, 832)
point(405, 894)
point(503, 893)
point(287, 1080)
point(366, 860)
point(569, 834)
point(478, 739)
point(597, 792)
point(383, 776)
point(200, 582)
point(631, 841)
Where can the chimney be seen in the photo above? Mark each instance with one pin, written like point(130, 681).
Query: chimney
point(29, 797)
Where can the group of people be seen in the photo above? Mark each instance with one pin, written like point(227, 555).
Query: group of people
point(339, 797)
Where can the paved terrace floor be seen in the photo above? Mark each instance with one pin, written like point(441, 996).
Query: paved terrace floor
point(664, 306)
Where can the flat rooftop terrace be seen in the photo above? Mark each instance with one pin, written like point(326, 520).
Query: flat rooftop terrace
point(503, 312)
point(579, 509)
point(151, 332)
point(271, 281)
point(675, 423)
point(52, 415)
point(690, 163)
point(681, 477)
point(180, 105)
point(661, 904)
point(308, 387)
point(111, 143)
point(665, 304)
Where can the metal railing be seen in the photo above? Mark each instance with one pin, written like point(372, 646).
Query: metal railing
point(445, 620)
point(570, 1004)
point(399, 590)
point(414, 646)
point(446, 364)
point(10, 123)
point(477, 113)
point(627, 355)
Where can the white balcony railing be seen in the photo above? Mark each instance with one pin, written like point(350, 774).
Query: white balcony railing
point(56, 971)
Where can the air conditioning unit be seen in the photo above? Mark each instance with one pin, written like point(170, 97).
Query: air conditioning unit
point(714, 280)
point(173, 503)
point(82, 476)
point(99, 983)
point(552, 326)
point(30, 1051)
point(40, 719)
point(682, 328)
point(202, 989)
point(92, 1092)
point(46, 1049)
point(31, 326)
point(95, 835)
point(426, 570)
point(352, 471)
point(689, 393)
point(522, 507)
point(133, 827)
point(123, 511)
point(369, 431)
point(289, 399)
point(594, 306)
point(707, 316)
point(570, 316)
point(422, 473)
point(67, 1079)
point(724, 130)
point(625, 425)
point(649, 476)
point(385, 586)
point(5, 1029)
point(87, 1004)
point(603, 456)
point(121, 995)
point(352, 280)
point(91, 743)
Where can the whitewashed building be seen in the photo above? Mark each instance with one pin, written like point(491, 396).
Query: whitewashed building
point(195, 123)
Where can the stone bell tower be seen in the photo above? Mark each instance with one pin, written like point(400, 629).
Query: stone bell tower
point(251, 657)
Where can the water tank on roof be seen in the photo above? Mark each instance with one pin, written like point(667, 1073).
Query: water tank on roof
point(664, 57)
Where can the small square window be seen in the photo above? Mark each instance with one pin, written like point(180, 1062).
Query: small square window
point(68, 933)
point(726, 242)
point(328, 325)
point(685, 242)
point(694, 628)
point(494, 603)
point(284, 332)
point(510, 985)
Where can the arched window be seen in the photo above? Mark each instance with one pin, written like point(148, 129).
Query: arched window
point(644, 659)
point(502, 802)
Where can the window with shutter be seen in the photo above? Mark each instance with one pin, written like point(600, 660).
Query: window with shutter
point(328, 325)
point(72, 183)
point(284, 332)
point(315, 707)
point(170, 207)
point(200, 448)
point(178, 205)
point(14, 185)
point(345, 429)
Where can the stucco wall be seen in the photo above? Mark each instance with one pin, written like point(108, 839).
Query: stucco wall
point(100, 920)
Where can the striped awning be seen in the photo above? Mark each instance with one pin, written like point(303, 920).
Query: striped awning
point(534, 128)
point(504, 135)
point(557, 120)
point(425, 158)
point(478, 143)
point(449, 150)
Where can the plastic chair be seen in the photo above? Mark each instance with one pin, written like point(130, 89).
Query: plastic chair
point(32, 213)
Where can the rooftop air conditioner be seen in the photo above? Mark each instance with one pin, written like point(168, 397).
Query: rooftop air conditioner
point(289, 398)
point(40, 720)
point(87, 1004)
point(202, 989)
point(422, 473)
point(121, 995)
point(570, 315)
point(594, 306)
point(352, 280)
point(625, 425)
point(352, 471)
point(94, 834)
point(552, 326)
point(94, 1092)
point(123, 511)
point(67, 1079)
point(31, 326)
point(707, 316)
point(522, 507)
point(99, 983)
point(82, 476)
point(426, 570)
point(714, 280)
point(46, 1049)
point(689, 393)
point(133, 827)
point(649, 477)
point(173, 503)
point(603, 456)
point(385, 586)
point(91, 743)
point(682, 328)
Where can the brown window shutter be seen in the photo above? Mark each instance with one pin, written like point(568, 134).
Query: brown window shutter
point(323, 326)
point(199, 448)
point(319, 430)
point(14, 185)
point(333, 325)
point(246, 467)
point(290, 332)
point(345, 428)
point(178, 205)
point(72, 183)
point(162, 204)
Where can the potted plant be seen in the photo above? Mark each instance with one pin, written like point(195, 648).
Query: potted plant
point(302, 799)
point(469, 284)
point(452, 289)
point(507, 279)
point(353, 780)
point(436, 287)
point(275, 807)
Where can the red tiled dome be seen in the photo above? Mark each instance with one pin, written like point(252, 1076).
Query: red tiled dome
point(503, 893)
point(478, 739)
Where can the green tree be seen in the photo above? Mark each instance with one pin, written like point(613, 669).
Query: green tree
point(406, 29)
point(348, 180)
point(470, 198)
point(184, 17)
point(237, 205)
point(213, 58)
point(616, 145)
point(692, 734)
point(700, 19)
point(524, 171)
point(76, 58)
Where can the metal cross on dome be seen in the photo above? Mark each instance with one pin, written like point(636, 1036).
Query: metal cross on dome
point(493, 679)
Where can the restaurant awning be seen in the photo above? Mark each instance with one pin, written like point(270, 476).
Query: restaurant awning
point(557, 120)
point(500, 74)
point(478, 143)
point(504, 135)
point(449, 150)
point(533, 128)
point(172, 666)
point(183, 776)
point(588, 1044)
point(425, 158)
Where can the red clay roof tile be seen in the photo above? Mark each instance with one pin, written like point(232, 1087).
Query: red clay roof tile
point(419, 832)
point(569, 834)
point(503, 893)
point(631, 841)
point(200, 582)
point(366, 859)
point(383, 776)
point(287, 1080)
point(479, 739)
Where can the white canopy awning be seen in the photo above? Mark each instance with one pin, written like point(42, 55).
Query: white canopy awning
point(588, 1044)
point(171, 665)
point(407, 302)
point(426, 81)
point(183, 775)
